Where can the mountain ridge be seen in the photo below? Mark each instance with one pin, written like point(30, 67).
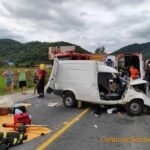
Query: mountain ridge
point(143, 48)
point(30, 53)
point(35, 52)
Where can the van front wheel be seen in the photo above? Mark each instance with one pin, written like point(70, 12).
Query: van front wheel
point(135, 108)
point(69, 100)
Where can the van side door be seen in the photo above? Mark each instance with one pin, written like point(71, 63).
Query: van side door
point(52, 78)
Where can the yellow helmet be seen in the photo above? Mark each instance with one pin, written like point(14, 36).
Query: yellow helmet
point(42, 66)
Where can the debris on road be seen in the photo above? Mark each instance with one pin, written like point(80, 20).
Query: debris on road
point(111, 110)
point(54, 104)
point(65, 122)
point(96, 115)
point(77, 119)
point(95, 126)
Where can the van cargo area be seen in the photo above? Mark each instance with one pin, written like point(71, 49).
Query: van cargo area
point(129, 60)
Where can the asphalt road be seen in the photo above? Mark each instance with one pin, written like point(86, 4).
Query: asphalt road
point(90, 132)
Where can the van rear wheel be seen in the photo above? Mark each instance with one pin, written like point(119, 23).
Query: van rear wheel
point(69, 100)
point(135, 108)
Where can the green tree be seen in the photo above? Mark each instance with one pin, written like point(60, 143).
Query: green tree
point(100, 50)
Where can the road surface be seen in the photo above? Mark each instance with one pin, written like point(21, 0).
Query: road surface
point(81, 129)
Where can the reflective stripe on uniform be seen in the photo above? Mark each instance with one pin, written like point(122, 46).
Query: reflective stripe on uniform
point(4, 135)
point(15, 141)
point(21, 136)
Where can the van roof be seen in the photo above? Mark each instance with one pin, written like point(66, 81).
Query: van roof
point(102, 67)
point(79, 62)
point(106, 69)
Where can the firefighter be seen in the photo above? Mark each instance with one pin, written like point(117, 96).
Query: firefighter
point(134, 73)
point(41, 80)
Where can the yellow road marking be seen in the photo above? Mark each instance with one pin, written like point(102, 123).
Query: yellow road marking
point(62, 130)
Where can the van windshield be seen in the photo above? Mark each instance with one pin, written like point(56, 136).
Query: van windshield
point(111, 86)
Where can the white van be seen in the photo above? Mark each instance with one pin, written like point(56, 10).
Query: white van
point(90, 81)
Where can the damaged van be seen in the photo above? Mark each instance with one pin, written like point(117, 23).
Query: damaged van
point(93, 81)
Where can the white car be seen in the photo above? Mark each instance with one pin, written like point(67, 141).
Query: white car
point(90, 81)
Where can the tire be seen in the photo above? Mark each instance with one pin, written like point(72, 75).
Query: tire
point(69, 100)
point(135, 108)
point(49, 90)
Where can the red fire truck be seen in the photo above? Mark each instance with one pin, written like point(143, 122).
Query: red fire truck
point(79, 56)
point(72, 56)
point(68, 53)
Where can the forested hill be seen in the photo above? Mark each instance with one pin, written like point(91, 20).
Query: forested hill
point(140, 48)
point(37, 52)
point(29, 53)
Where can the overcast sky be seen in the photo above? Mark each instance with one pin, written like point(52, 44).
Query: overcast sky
point(88, 23)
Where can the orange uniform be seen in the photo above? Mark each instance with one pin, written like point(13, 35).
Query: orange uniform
point(134, 73)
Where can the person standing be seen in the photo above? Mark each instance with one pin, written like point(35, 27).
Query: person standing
point(22, 81)
point(134, 73)
point(41, 80)
point(9, 75)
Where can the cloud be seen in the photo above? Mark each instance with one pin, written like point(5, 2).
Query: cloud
point(90, 23)
point(6, 34)
point(141, 30)
point(114, 4)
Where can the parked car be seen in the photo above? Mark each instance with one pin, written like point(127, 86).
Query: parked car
point(91, 81)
